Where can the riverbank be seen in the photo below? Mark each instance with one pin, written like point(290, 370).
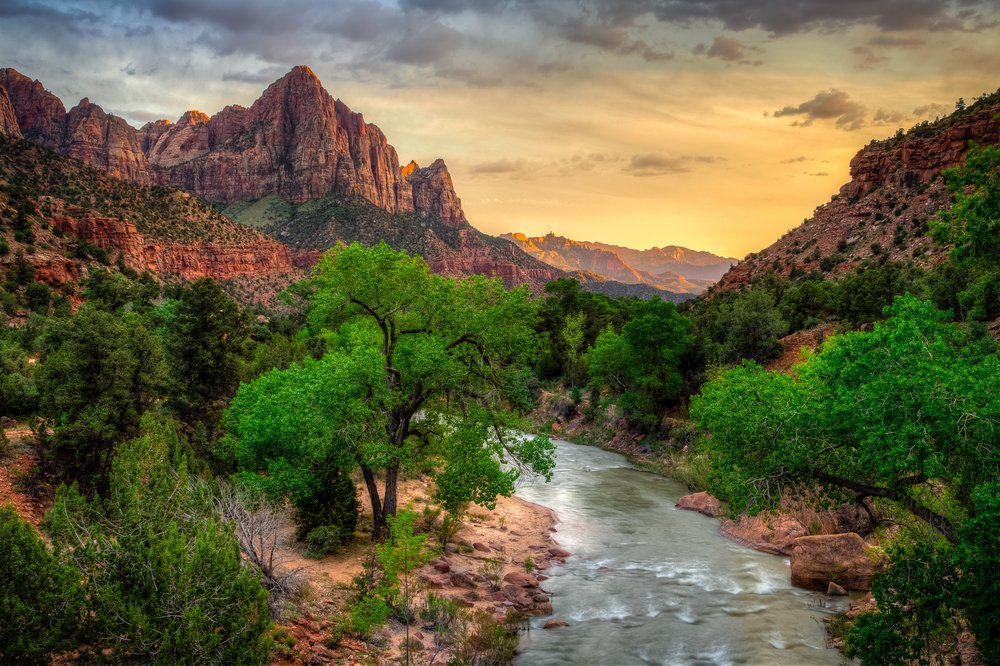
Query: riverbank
point(493, 565)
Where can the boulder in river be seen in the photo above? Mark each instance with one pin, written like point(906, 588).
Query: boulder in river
point(702, 503)
point(840, 558)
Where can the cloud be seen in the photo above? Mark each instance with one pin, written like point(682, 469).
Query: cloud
point(869, 58)
point(614, 39)
point(729, 49)
point(827, 105)
point(935, 110)
point(656, 164)
point(500, 166)
point(263, 76)
point(795, 160)
point(796, 16)
point(818, 174)
point(886, 117)
point(426, 45)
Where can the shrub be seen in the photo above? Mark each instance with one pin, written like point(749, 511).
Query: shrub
point(164, 576)
point(40, 599)
point(323, 541)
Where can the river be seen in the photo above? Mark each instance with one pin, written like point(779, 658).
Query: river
point(650, 584)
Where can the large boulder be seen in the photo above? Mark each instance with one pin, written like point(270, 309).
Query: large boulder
point(840, 558)
point(702, 503)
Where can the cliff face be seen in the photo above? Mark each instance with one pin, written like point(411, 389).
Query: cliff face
point(107, 142)
point(189, 261)
point(40, 114)
point(295, 141)
point(8, 119)
point(883, 213)
point(434, 193)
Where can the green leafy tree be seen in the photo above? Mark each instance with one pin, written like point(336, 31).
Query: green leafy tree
point(572, 336)
point(207, 342)
point(751, 326)
point(41, 600)
point(99, 374)
point(642, 364)
point(972, 226)
point(907, 414)
point(402, 346)
point(165, 580)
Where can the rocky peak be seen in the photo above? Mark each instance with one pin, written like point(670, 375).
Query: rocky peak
point(8, 119)
point(40, 114)
point(409, 169)
point(193, 118)
point(434, 193)
point(150, 133)
point(96, 138)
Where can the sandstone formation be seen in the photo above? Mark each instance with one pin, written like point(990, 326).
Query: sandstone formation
point(895, 190)
point(8, 119)
point(839, 558)
point(701, 502)
point(778, 534)
point(434, 193)
point(41, 115)
point(189, 261)
point(107, 142)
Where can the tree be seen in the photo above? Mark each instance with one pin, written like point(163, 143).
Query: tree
point(888, 414)
point(207, 340)
point(99, 373)
point(41, 600)
point(164, 578)
point(907, 414)
point(403, 346)
point(751, 326)
point(643, 363)
point(572, 337)
point(972, 226)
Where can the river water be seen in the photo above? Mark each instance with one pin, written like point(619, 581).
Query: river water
point(650, 584)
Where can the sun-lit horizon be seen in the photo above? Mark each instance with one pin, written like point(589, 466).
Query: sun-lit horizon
point(641, 124)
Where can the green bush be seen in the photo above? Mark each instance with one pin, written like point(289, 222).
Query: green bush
point(165, 580)
point(40, 599)
point(323, 541)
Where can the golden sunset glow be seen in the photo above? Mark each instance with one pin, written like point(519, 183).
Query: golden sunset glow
point(639, 123)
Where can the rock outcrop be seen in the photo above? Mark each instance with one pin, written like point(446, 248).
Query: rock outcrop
point(434, 193)
point(701, 502)
point(107, 142)
point(778, 533)
point(883, 213)
point(839, 558)
point(189, 261)
point(8, 119)
point(41, 115)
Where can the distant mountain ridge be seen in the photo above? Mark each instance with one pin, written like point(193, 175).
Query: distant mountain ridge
point(882, 214)
point(671, 268)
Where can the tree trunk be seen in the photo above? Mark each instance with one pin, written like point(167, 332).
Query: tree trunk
point(379, 524)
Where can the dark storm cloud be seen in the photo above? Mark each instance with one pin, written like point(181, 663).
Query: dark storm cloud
point(830, 104)
point(778, 18)
point(614, 39)
point(426, 45)
point(261, 76)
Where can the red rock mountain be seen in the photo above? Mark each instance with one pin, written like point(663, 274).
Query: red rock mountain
point(882, 214)
point(298, 144)
point(8, 119)
point(670, 268)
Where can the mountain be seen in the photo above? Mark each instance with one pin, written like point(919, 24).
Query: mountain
point(883, 213)
point(319, 172)
point(64, 212)
point(670, 268)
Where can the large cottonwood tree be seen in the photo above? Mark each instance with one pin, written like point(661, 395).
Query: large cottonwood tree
point(417, 366)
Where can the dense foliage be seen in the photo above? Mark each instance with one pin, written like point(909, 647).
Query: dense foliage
point(401, 344)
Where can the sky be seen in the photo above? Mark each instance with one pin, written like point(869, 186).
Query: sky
point(712, 124)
